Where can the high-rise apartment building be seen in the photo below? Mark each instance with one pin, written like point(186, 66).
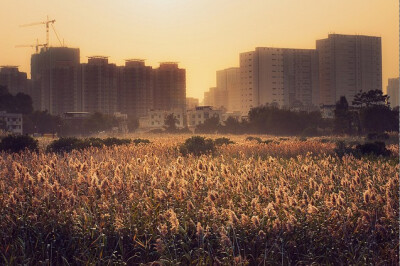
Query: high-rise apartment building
point(169, 87)
point(135, 97)
point(55, 80)
point(348, 64)
point(392, 90)
point(99, 86)
point(191, 103)
point(278, 76)
point(14, 80)
point(229, 93)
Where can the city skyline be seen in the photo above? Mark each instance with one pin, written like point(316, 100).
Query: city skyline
point(192, 33)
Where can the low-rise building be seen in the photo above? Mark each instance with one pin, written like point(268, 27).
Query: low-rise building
point(155, 119)
point(11, 122)
point(200, 114)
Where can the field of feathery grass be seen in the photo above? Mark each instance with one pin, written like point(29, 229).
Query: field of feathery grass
point(286, 202)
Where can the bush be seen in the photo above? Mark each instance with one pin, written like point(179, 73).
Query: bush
point(367, 149)
point(376, 136)
point(197, 145)
point(376, 148)
point(268, 141)
point(13, 143)
point(68, 144)
point(64, 145)
point(223, 141)
point(250, 138)
point(138, 141)
point(114, 141)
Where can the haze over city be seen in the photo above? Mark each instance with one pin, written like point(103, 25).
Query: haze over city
point(203, 36)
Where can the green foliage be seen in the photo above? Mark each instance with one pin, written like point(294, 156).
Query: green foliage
point(370, 98)
point(64, 145)
point(197, 145)
point(359, 150)
point(379, 118)
point(20, 103)
point(377, 136)
point(41, 122)
point(141, 141)
point(170, 122)
point(272, 120)
point(250, 138)
point(223, 141)
point(210, 126)
point(376, 148)
point(71, 143)
point(13, 143)
point(116, 142)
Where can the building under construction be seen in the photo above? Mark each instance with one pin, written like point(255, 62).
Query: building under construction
point(56, 80)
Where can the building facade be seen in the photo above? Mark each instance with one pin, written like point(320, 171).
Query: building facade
point(135, 94)
point(392, 90)
point(55, 80)
point(99, 86)
point(348, 64)
point(200, 114)
point(11, 122)
point(228, 83)
point(191, 103)
point(278, 76)
point(14, 80)
point(169, 87)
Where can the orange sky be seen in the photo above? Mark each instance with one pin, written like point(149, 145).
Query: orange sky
point(203, 35)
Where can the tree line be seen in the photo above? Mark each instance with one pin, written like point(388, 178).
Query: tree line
point(42, 122)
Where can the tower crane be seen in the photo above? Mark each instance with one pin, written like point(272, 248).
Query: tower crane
point(36, 46)
point(48, 22)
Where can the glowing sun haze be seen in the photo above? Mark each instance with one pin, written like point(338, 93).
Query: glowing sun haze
point(203, 35)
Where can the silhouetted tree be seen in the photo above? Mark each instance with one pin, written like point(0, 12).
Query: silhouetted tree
point(170, 122)
point(98, 122)
point(370, 98)
point(379, 118)
point(133, 124)
point(343, 117)
point(41, 122)
point(210, 125)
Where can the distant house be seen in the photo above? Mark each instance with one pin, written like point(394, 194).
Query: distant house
point(200, 114)
point(155, 119)
point(11, 122)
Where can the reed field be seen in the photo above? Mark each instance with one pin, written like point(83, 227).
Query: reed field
point(288, 202)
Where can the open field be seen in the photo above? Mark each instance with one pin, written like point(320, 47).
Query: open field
point(286, 202)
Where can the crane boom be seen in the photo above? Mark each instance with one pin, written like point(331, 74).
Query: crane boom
point(47, 23)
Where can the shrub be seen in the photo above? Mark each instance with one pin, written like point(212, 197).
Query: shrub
point(13, 143)
point(367, 149)
point(250, 138)
point(138, 141)
point(342, 149)
point(71, 143)
point(64, 145)
point(268, 141)
point(223, 141)
point(197, 145)
point(114, 141)
point(376, 148)
point(376, 136)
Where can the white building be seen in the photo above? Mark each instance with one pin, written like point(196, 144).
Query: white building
point(155, 119)
point(348, 64)
point(11, 122)
point(393, 92)
point(197, 116)
point(278, 76)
